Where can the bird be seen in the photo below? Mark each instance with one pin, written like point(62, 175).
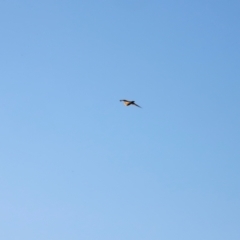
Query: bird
point(128, 103)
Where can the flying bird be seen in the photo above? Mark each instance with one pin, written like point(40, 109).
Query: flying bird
point(128, 103)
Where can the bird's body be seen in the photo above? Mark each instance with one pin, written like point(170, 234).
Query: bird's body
point(128, 103)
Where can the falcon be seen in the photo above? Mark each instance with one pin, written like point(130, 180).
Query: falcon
point(128, 103)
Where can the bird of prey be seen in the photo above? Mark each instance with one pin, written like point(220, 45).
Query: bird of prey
point(128, 103)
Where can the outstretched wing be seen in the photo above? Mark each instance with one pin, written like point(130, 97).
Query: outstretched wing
point(136, 105)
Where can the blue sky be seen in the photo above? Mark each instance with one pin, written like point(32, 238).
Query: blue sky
point(76, 163)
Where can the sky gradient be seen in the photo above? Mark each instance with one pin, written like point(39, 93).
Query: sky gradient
point(75, 163)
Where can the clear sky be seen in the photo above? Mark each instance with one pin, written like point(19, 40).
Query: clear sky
point(75, 163)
